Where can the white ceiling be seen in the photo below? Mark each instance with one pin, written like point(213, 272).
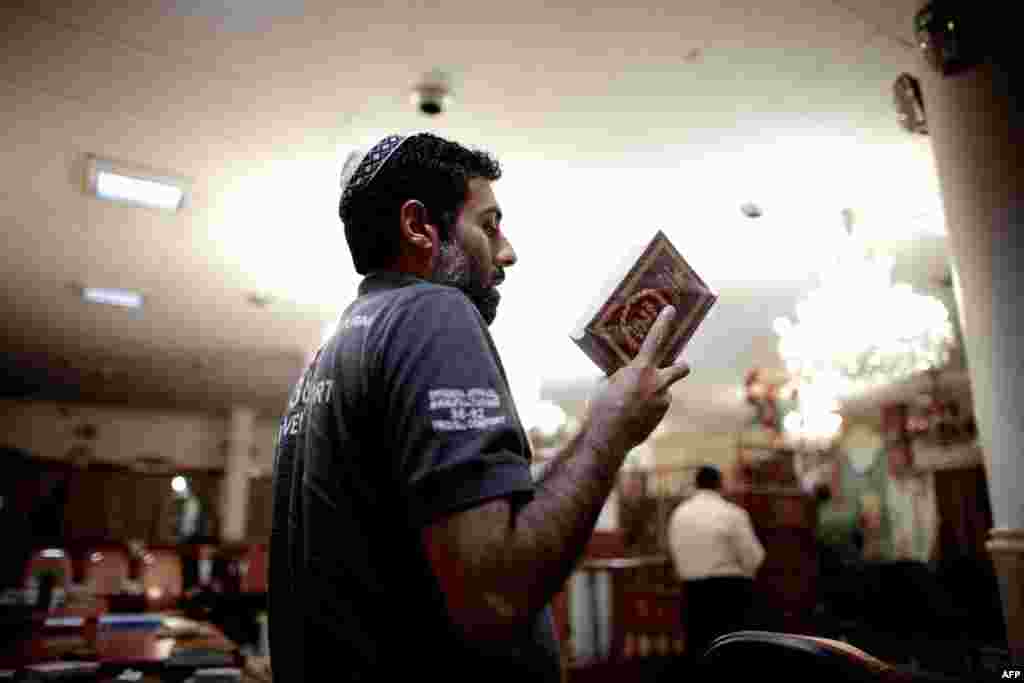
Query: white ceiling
point(611, 122)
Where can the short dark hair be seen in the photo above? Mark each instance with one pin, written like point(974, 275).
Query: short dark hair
point(708, 477)
point(425, 167)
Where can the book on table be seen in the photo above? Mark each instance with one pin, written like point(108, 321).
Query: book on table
point(651, 276)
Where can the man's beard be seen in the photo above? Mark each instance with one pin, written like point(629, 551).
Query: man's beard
point(454, 268)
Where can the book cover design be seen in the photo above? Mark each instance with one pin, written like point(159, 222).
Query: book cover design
point(658, 277)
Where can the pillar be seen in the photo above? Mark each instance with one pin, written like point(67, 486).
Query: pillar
point(235, 491)
point(977, 135)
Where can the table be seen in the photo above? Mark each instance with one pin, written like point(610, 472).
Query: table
point(112, 641)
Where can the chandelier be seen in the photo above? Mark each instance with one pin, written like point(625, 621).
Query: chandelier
point(858, 330)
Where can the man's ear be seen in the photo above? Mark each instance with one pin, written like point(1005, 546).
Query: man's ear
point(416, 229)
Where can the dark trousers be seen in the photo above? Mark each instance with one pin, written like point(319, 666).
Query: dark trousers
point(713, 607)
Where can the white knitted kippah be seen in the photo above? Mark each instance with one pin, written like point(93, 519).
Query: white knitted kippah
point(362, 164)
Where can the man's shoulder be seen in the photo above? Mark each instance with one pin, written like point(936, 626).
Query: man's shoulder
point(716, 499)
point(702, 502)
point(426, 321)
point(423, 289)
point(428, 297)
point(422, 308)
point(686, 509)
point(735, 510)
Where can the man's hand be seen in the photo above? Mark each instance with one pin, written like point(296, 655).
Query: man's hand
point(629, 405)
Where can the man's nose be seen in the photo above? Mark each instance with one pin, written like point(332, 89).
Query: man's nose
point(506, 254)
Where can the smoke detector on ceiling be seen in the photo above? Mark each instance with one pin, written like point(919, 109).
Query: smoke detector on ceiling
point(432, 95)
point(751, 210)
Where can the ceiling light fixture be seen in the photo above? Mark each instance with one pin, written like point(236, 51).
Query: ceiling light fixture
point(112, 297)
point(134, 185)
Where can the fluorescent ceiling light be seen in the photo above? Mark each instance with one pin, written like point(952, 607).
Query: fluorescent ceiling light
point(112, 297)
point(134, 185)
point(137, 190)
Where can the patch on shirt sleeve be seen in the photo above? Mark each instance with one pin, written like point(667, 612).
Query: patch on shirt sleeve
point(459, 410)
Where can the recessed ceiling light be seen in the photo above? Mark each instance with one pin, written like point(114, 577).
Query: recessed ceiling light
point(112, 297)
point(259, 299)
point(134, 185)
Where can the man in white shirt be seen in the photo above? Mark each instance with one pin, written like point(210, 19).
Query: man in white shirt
point(716, 554)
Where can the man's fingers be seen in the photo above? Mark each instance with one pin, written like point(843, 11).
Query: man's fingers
point(651, 351)
point(673, 374)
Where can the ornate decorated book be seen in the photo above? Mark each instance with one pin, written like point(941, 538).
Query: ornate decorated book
point(651, 277)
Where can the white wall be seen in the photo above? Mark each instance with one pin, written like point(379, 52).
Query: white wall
point(47, 430)
point(695, 448)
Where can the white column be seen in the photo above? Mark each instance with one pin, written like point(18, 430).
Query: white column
point(982, 177)
point(977, 133)
point(235, 489)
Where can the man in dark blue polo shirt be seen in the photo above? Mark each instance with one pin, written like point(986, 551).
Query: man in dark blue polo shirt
point(407, 530)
